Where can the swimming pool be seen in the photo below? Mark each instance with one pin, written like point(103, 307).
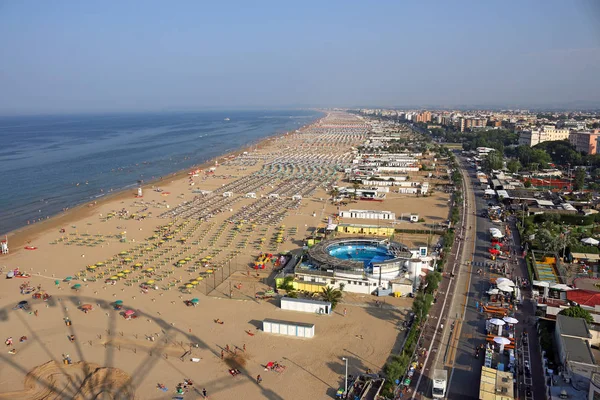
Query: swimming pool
point(359, 252)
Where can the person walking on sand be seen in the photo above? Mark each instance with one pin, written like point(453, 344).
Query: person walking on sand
point(244, 346)
point(258, 379)
point(345, 312)
point(222, 354)
point(227, 348)
point(204, 393)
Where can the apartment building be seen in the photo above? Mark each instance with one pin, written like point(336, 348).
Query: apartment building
point(584, 141)
point(544, 134)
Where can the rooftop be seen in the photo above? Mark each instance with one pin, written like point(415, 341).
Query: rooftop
point(575, 327)
point(495, 385)
point(578, 350)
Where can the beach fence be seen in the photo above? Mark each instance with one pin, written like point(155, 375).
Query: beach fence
point(221, 275)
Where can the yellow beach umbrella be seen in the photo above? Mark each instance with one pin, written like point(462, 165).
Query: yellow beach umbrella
point(209, 271)
point(150, 282)
point(200, 278)
point(127, 259)
point(189, 285)
point(194, 283)
point(208, 257)
point(120, 274)
point(91, 267)
point(99, 264)
point(148, 248)
point(114, 278)
point(138, 265)
point(181, 262)
point(150, 269)
point(126, 271)
point(188, 259)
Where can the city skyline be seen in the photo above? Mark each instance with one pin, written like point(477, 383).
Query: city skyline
point(69, 57)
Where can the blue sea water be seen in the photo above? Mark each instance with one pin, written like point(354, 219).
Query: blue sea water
point(49, 163)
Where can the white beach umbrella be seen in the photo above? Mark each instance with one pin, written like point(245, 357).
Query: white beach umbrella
point(505, 288)
point(493, 291)
point(497, 321)
point(501, 340)
point(504, 282)
point(510, 320)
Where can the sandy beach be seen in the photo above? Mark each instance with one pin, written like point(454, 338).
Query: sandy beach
point(195, 234)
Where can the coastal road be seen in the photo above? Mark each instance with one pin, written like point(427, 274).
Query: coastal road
point(464, 366)
point(441, 323)
point(452, 348)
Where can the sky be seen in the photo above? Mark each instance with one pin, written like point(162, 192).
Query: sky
point(77, 56)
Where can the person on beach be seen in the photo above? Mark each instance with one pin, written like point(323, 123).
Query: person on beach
point(222, 354)
point(204, 393)
point(345, 312)
point(258, 379)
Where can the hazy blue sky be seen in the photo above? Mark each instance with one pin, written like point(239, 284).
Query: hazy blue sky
point(79, 56)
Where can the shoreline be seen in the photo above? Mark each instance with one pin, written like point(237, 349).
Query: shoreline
point(17, 239)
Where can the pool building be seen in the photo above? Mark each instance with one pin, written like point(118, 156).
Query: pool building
point(363, 265)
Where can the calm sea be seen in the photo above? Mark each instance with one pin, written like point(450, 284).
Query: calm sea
point(48, 163)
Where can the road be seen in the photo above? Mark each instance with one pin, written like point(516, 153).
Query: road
point(453, 346)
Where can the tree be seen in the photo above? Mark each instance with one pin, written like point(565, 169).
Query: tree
point(492, 161)
point(514, 166)
point(334, 193)
point(527, 184)
point(355, 186)
point(332, 296)
point(579, 179)
point(578, 312)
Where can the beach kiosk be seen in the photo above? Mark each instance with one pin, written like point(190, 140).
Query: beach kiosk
point(288, 328)
point(306, 305)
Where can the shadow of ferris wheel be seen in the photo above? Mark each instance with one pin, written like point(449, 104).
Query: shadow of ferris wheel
point(73, 389)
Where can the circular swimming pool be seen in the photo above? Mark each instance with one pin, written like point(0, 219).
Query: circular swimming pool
point(359, 252)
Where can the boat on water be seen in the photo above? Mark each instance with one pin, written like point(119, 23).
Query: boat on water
point(227, 119)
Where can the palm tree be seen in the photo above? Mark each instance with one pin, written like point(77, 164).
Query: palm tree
point(355, 186)
point(332, 296)
point(334, 193)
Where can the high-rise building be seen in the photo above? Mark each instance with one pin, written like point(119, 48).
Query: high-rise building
point(424, 116)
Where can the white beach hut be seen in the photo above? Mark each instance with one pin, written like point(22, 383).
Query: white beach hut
point(306, 305)
point(288, 328)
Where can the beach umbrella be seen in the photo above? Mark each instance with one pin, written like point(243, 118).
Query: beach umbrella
point(199, 278)
point(123, 253)
point(505, 288)
point(126, 271)
point(181, 262)
point(139, 265)
point(493, 291)
point(57, 282)
point(188, 259)
point(77, 286)
point(195, 300)
point(208, 257)
point(128, 259)
point(204, 260)
point(129, 312)
point(119, 302)
point(150, 282)
point(501, 340)
point(189, 285)
point(497, 321)
point(113, 278)
point(505, 282)
point(99, 264)
point(209, 271)
point(149, 269)
point(68, 278)
point(510, 320)
point(120, 274)
point(92, 267)
point(194, 283)
point(86, 307)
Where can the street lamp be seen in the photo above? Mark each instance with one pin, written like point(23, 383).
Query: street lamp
point(346, 377)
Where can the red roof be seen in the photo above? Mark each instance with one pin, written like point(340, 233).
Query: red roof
point(584, 297)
